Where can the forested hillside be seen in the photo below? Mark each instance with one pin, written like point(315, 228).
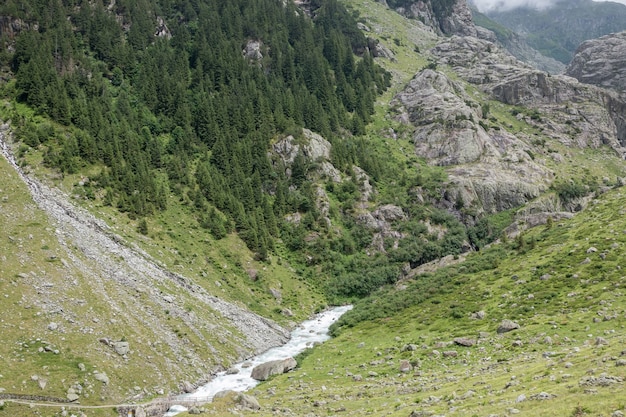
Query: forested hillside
point(149, 98)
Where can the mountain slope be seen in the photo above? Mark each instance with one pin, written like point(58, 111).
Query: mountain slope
point(431, 345)
point(517, 46)
point(75, 287)
point(278, 209)
point(557, 31)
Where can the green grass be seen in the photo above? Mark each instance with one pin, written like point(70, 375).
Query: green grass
point(568, 307)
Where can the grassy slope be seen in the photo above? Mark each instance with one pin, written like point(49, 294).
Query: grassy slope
point(562, 302)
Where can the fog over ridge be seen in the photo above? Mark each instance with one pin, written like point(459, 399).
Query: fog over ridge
point(487, 6)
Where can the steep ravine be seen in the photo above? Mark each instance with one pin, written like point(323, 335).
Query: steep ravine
point(119, 273)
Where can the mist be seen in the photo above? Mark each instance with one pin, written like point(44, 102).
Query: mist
point(487, 6)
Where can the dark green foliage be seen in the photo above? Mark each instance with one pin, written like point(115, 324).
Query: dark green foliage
point(190, 118)
point(387, 301)
point(142, 227)
point(570, 190)
point(147, 108)
point(488, 229)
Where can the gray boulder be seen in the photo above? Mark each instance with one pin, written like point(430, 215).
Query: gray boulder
point(224, 394)
point(264, 371)
point(188, 387)
point(464, 341)
point(102, 377)
point(507, 326)
point(246, 401)
point(121, 348)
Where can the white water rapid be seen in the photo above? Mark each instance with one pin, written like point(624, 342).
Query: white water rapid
point(304, 336)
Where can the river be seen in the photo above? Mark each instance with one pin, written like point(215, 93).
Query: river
point(304, 336)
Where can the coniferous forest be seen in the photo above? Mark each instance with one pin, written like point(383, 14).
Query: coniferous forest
point(184, 109)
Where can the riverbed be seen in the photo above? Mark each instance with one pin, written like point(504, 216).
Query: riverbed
point(238, 378)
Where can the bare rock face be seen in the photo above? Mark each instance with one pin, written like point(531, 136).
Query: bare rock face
point(252, 51)
point(443, 114)
point(578, 115)
point(490, 167)
point(601, 62)
point(459, 21)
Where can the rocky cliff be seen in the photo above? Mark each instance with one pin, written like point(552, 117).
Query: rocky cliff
point(601, 62)
point(457, 19)
point(492, 165)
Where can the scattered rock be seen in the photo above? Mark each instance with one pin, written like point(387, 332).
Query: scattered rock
point(507, 326)
point(405, 366)
point(464, 341)
point(53, 326)
point(232, 371)
point(224, 394)
point(102, 377)
point(42, 382)
point(479, 315)
point(421, 413)
point(253, 274)
point(604, 380)
point(121, 348)
point(264, 371)
point(276, 294)
point(542, 396)
point(188, 387)
point(601, 341)
point(246, 401)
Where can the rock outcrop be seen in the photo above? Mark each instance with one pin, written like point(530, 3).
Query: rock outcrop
point(457, 20)
point(493, 167)
point(487, 164)
point(596, 116)
point(601, 62)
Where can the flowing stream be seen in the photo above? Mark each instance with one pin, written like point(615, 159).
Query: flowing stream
point(304, 336)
